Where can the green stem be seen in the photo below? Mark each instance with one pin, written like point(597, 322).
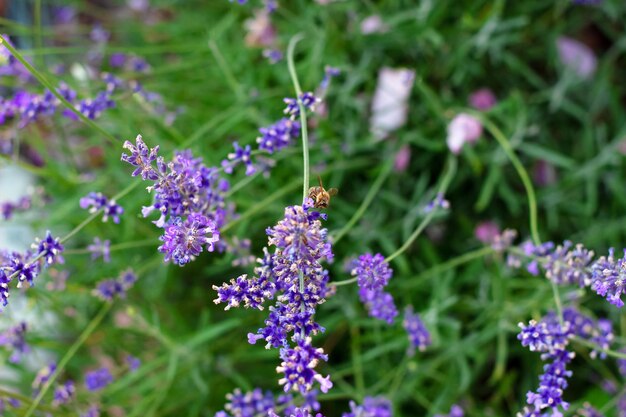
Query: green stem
point(521, 172)
point(530, 193)
point(454, 262)
point(445, 182)
point(382, 176)
point(228, 74)
point(344, 282)
point(119, 246)
point(618, 355)
point(70, 353)
point(303, 123)
point(39, 76)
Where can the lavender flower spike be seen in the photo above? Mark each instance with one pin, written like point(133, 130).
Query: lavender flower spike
point(98, 379)
point(372, 407)
point(141, 157)
point(184, 240)
point(419, 336)
point(608, 276)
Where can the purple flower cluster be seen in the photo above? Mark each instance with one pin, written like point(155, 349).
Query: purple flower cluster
point(109, 289)
point(64, 393)
point(100, 249)
point(371, 407)
point(296, 412)
point(27, 266)
point(419, 336)
point(249, 404)
point(608, 276)
point(439, 202)
point(278, 136)
point(27, 107)
point(189, 197)
point(258, 403)
point(43, 376)
point(373, 274)
point(240, 156)
point(98, 379)
point(92, 411)
point(570, 264)
point(95, 202)
point(7, 209)
point(455, 411)
point(550, 338)
point(14, 339)
point(293, 275)
point(308, 101)
point(10, 66)
point(11, 402)
point(128, 62)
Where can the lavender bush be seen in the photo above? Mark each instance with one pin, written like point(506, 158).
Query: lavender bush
point(172, 242)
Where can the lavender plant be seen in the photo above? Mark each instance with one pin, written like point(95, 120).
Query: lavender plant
point(398, 296)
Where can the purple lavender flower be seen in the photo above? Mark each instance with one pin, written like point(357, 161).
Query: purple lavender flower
point(373, 272)
point(63, 393)
point(109, 289)
point(295, 271)
point(13, 338)
point(329, 73)
point(308, 100)
point(439, 202)
point(455, 411)
point(298, 367)
point(141, 157)
point(241, 155)
point(567, 265)
point(249, 404)
point(4, 287)
point(98, 379)
point(608, 276)
point(419, 336)
point(252, 293)
point(50, 249)
point(11, 402)
point(93, 411)
point(184, 240)
point(43, 376)
point(380, 305)
point(20, 267)
point(279, 135)
point(189, 197)
point(99, 249)
point(133, 362)
point(551, 339)
point(97, 201)
point(297, 412)
point(372, 407)
point(7, 209)
point(274, 56)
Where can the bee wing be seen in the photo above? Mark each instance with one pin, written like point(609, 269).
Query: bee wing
point(332, 192)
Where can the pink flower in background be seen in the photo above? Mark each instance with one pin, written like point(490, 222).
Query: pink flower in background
point(577, 57)
point(373, 24)
point(463, 129)
point(402, 159)
point(486, 232)
point(482, 99)
point(261, 32)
